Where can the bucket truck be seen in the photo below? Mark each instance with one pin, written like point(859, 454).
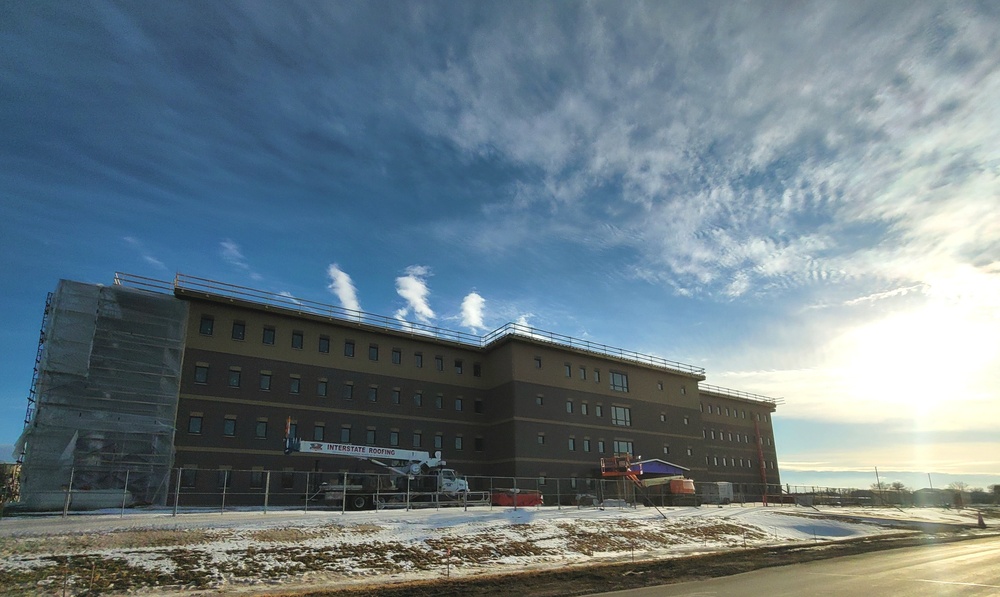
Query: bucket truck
point(413, 476)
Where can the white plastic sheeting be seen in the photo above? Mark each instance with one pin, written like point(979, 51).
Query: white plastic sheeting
point(107, 395)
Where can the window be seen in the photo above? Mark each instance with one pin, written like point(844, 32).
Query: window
point(598, 411)
point(417, 438)
point(702, 407)
point(439, 363)
point(194, 424)
point(458, 366)
point(568, 369)
point(418, 399)
point(438, 441)
point(439, 401)
point(690, 451)
point(713, 433)
point(619, 382)
point(294, 385)
point(478, 444)
point(234, 378)
point(293, 429)
point(458, 404)
point(229, 426)
point(572, 482)
point(321, 387)
point(539, 400)
point(659, 385)
point(684, 390)
point(201, 374)
point(319, 433)
point(715, 460)
point(663, 418)
point(395, 396)
point(239, 330)
point(621, 416)
point(372, 394)
point(265, 381)
point(373, 352)
point(298, 340)
point(223, 478)
point(477, 407)
point(260, 431)
point(347, 392)
point(268, 337)
point(727, 411)
point(257, 478)
point(477, 370)
point(540, 438)
point(666, 449)
point(324, 344)
point(583, 373)
point(370, 437)
point(569, 406)
point(686, 420)
point(287, 479)
point(538, 362)
point(600, 446)
point(597, 375)
point(542, 480)
point(572, 444)
point(397, 356)
point(348, 348)
point(189, 475)
point(623, 447)
point(586, 445)
point(345, 435)
point(583, 408)
point(418, 360)
point(207, 325)
point(393, 438)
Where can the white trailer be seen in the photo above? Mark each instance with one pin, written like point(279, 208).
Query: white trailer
point(719, 492)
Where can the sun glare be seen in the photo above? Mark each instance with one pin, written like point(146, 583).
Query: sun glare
point(928, 360)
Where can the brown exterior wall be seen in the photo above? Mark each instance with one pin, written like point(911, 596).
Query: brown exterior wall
point(512, 393)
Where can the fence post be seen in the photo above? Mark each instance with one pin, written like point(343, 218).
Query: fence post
point(407, 493)
point(307, 491)
point(343, 494)
point(491, 494)
point(558, 495)
point(267, 489)
point(225, 483)
point(124, 494)
point(69, 492)
point(515, 494)
point(177, 489)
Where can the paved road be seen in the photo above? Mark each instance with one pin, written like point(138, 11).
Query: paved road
point(965, 568)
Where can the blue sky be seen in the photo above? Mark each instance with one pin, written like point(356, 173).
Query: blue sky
point(802, 198)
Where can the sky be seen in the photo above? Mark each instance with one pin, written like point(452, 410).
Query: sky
point(800, 197)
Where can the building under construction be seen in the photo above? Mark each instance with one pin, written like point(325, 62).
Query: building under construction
point(136, 380)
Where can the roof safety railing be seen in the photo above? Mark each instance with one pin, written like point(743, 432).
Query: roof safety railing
point(188, 283)
point(739, 394)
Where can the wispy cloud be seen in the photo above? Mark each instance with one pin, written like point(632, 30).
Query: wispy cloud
point(233, 255)
point(742, 168)
point(145, 254)
point(413, 288)
point(472, 311)
point(342, 286)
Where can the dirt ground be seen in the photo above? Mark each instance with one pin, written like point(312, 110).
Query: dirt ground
point(601, 578)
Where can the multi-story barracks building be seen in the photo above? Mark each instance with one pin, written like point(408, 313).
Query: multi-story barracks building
point(139, 379)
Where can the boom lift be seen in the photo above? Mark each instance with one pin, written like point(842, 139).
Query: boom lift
point(413, 476)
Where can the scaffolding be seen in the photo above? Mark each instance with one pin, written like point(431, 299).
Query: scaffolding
point(104, 397)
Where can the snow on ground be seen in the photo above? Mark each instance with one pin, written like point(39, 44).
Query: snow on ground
point(240, 550)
